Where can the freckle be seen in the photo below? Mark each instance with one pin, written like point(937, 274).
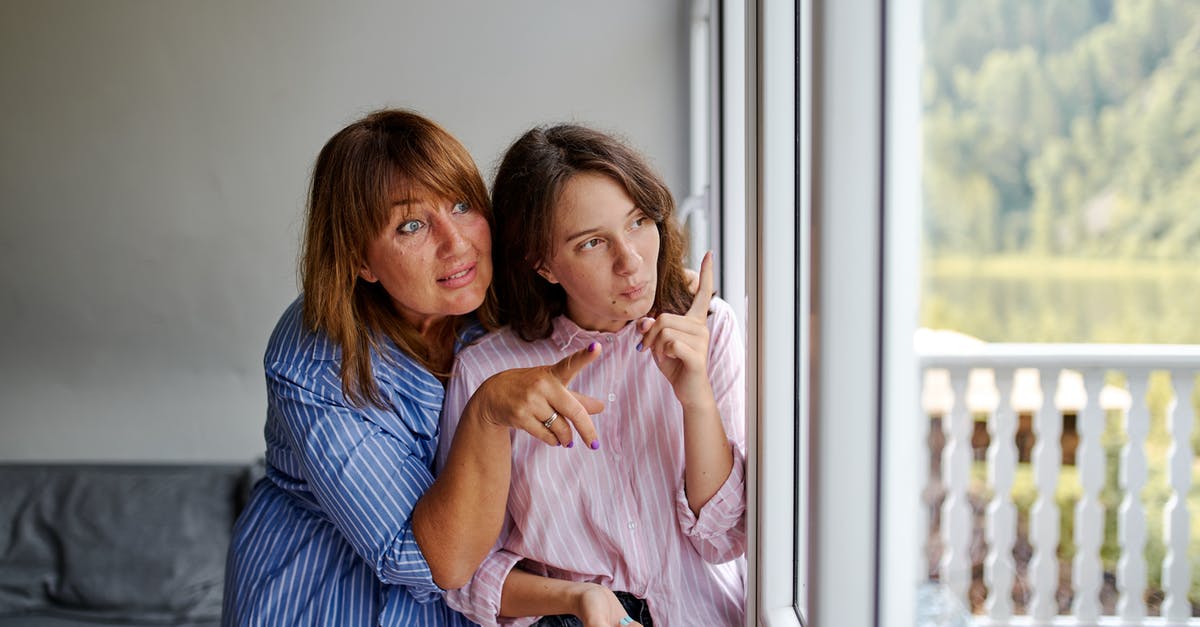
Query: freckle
point(614, 302)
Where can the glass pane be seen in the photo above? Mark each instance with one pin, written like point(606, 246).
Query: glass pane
point(1062, 170)
point(1061, 199)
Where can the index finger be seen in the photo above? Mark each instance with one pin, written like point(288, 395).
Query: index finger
point(704, 294)
point(569, 366)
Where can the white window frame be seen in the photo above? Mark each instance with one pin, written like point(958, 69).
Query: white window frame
point(714, 211)
point(831, 149)
point(777, 290)
point(903, 450)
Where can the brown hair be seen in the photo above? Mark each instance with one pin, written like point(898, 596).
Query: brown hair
point(349, 204)
point(529, 182)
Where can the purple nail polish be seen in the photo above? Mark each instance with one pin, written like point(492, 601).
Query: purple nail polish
point(595, 445)
point(639, 347)
point(571, 444)
point(592, 347)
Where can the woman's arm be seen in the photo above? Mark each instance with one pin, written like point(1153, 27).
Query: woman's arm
point(501, 592)
point(718, 530)
point(526, 594)
point(458, 519)
point(680, 345)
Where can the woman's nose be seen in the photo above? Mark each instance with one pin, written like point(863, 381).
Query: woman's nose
point(628, 260)
point(453, 240)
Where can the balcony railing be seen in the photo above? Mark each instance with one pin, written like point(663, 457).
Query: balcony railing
point(1001, 465)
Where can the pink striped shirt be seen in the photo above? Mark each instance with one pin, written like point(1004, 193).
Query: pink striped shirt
point(617, 516)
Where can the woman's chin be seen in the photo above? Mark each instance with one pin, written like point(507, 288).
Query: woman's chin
point(468, 303)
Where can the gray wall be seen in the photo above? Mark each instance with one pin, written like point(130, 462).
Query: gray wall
point(153, 161)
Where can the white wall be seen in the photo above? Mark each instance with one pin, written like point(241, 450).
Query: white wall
point(153, 163)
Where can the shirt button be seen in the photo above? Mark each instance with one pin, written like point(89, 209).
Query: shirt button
point(632, 524)
point(611, 397)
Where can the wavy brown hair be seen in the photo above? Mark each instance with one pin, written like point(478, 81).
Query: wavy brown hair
point(354, 183)
point(528, 185)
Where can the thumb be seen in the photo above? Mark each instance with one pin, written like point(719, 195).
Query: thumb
point(569, 366)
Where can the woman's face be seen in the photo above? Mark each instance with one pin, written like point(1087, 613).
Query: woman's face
point(433, 257)
point(603, 252)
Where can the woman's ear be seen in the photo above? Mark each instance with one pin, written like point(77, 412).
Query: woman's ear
point(547, 274)
point(367, 275)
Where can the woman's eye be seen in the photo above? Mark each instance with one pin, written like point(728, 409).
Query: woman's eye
point(412, 226)
point(638, 222)
point(591, 243)
point(461, 207)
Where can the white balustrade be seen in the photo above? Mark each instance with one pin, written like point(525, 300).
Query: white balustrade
point(1004, 381)
point(1176, 522)
point(955, 566)
point(1131, 517)
point(1087, 573)
point(999, 569)
point(1043, 517)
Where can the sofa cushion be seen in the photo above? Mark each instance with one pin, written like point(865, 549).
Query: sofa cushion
point(120, 543)
point(50, 619)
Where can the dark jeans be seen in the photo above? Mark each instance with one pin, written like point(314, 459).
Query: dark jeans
point(635, 607)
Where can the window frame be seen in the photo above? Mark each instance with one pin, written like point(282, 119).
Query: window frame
point(829, 156)
point(777, 292)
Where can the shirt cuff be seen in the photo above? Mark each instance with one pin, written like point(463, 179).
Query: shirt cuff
point(723, 511)
point(479, 600)
point(403, 564)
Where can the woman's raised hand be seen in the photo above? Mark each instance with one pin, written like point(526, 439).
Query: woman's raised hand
point(536, 400)
point(680, 343)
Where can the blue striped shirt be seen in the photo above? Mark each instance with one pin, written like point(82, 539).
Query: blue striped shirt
point(327, 538)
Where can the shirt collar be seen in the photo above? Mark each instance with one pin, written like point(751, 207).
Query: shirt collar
point(567, 335)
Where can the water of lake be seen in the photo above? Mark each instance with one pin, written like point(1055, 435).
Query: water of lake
point(1045, 306)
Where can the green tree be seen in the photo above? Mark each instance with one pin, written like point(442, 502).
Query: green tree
point(1062, 127)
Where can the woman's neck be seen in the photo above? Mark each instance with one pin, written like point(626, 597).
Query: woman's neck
point(439, 342)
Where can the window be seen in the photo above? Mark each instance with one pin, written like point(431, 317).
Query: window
point(1062, 164)
point(833, 178)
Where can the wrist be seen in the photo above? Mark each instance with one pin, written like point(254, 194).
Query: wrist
point(478, 414)
point(579, 593)
point(696, 396)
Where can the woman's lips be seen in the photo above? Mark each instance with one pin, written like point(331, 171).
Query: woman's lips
point(460, 277)
point(635, 292)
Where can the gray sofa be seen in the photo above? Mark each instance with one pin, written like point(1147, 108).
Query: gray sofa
point(105, 544)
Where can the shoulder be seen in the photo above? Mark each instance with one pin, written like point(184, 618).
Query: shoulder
point(501, 344)
point(720, 314)
point(292, 339)
point(723, 326)
point(500, 350)
point(293, 345)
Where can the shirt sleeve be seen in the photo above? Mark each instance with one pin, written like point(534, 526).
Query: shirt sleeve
point(365, 478)
point(479, 600)
point(718, 532)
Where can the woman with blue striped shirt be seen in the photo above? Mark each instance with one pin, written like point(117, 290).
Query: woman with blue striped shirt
point(350, 526)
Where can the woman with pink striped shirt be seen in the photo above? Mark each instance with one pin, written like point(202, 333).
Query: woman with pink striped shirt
point(651, 531)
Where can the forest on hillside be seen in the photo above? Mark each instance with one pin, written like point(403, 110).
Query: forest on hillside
point(1062, 128)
